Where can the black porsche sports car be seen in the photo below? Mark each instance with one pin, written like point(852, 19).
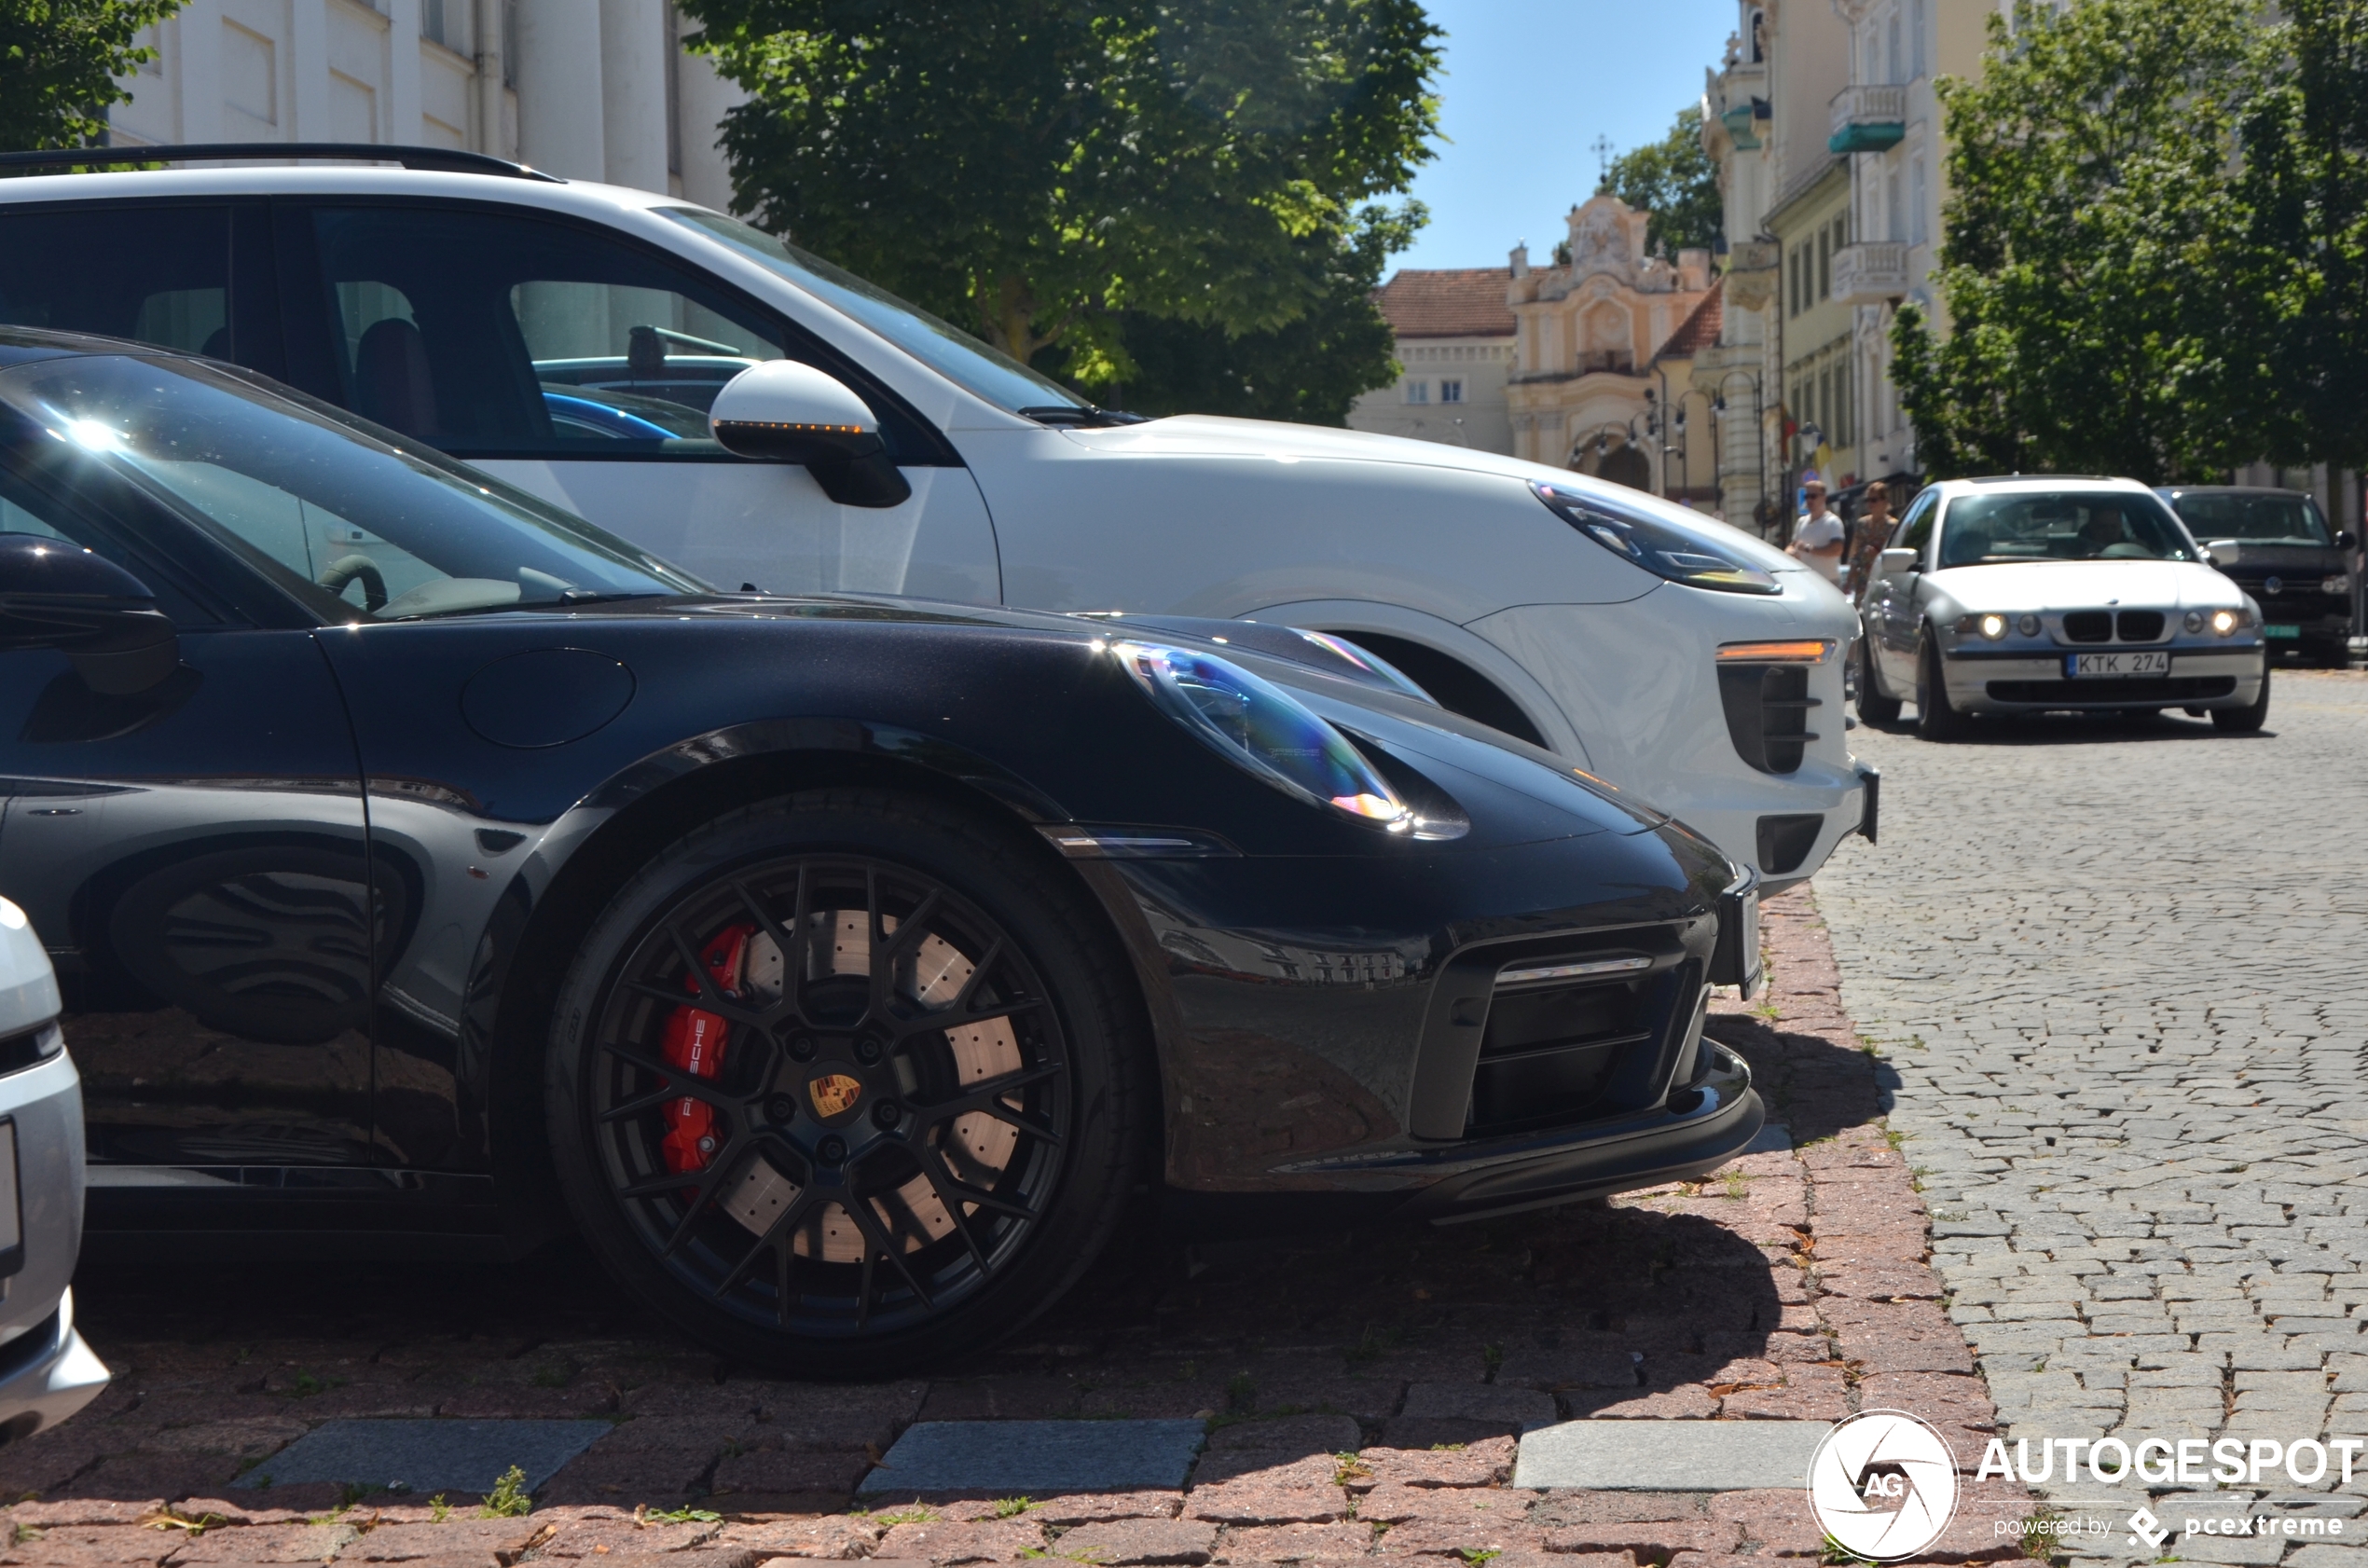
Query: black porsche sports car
point(423, 864)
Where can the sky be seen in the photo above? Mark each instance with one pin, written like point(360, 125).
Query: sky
point(1529, 85)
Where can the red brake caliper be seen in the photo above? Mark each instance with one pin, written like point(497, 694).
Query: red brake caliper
point(695, 1040)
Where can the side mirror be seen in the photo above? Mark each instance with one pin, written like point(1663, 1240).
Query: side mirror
point(782, 411)
point(1892, 562)
point(57, 595)
point(2346, 540)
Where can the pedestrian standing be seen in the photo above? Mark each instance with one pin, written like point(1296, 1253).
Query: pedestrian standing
point(1817, 538)
point(1874, 524)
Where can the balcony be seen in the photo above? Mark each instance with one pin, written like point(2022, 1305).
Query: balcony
point(1871, 272)
point(1745, 120)
point(1867, 118)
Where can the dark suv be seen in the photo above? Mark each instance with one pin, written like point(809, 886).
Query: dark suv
point(2277, 546)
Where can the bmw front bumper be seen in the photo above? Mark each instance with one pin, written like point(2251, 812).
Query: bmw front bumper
point(1987, 680)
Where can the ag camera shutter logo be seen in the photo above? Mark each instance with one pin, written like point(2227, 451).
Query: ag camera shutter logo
point(1883, 1484)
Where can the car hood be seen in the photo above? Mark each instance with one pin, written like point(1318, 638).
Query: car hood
point(1208, 435)
point(2083, 585)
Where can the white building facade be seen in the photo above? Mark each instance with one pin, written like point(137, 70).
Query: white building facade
point(588, 89)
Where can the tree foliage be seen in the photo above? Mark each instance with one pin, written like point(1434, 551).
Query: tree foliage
point(1308, 371)
point(2304, 186)
point(2096, 248)
point(1676, 181)
point(59, 60)
point(1049, 172)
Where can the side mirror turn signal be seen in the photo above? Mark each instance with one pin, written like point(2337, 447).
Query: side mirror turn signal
point(782, 411)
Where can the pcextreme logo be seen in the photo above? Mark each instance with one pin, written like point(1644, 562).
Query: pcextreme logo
point(1883, 1484)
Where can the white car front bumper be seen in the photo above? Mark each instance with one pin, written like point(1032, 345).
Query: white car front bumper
point(1639, 682)
point(1979, 682)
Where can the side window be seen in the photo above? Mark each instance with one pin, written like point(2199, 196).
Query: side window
point(153, 273)
point(489, 334)
point(1916, 528)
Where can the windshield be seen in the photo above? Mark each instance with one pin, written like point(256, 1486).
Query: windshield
point(352, 526)
point(994, 376)
point(2058, 526)
point(2266, 519)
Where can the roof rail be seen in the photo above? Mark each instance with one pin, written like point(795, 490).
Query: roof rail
point(445, 160)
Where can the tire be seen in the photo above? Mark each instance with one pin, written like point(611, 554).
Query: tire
point(2244, 720)
point(1934, 719)
point(1876, 709)
point(708, 1152)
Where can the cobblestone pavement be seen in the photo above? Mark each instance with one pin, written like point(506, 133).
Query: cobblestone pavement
point(2116, 968)
point(1330, 1370)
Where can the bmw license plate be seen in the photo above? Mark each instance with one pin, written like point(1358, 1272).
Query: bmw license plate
point(2082, 666)
point(2282, 631)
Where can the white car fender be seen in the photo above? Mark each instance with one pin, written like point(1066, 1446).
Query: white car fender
point(1348, 617)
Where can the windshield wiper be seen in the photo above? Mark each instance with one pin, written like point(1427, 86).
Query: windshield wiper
point(1078, 416)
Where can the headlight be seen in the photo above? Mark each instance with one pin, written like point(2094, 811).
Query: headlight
point(2027, 625)
point(1696, 558)
point(2195, 620)
point(2339, 583)
point(1261, 728)
point(1991, 626)
point(2225, 622)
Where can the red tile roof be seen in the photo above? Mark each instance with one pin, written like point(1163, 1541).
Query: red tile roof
point(1448, 302)
point(1700, 330)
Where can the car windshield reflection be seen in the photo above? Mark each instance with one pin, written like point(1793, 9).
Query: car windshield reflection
point(352, 524)
point(2058, 526)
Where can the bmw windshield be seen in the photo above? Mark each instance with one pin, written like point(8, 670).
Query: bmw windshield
point(334, 512)
point(2059, 526)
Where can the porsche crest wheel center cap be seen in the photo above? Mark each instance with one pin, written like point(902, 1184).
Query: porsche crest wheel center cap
point(833, 1094)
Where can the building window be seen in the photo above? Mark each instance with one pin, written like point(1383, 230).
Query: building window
point(1918, 201)
point(1418, 391)
point(431, 22)
point(1451, 391)
point(1825, 264)
point(1919, 26)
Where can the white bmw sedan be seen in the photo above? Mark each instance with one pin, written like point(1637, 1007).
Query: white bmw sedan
point(2021, 594)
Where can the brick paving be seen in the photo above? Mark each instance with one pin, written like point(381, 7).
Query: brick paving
point(2116, 972)
point(1362, 1390)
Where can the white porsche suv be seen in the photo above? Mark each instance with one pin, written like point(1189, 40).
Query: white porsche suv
point(571, 337)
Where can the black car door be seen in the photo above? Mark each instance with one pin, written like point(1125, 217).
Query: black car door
point(193, 855)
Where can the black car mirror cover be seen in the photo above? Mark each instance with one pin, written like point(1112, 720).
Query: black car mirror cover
point(57, 595)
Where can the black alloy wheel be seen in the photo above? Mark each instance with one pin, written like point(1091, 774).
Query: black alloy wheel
point(2244, 720)
point(1935, 720)
point(1876, 709)
point(841, 1084)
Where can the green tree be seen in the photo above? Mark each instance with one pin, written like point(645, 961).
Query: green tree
point(2306, 188)
point(59, 60)
point(1044, 171)
point(1674, 180)
point(1309, 371)
point(2095, 248)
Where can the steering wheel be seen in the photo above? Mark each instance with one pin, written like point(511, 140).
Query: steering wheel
point(345, 569)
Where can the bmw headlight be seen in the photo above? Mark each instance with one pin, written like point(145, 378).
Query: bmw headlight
point(1265, 730)
point(1696, 558)
point(1992, 627)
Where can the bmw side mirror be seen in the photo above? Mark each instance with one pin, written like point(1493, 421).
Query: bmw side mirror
point(57, 595)
point(2346, 540)
point(782, 411)
point(1892, 561)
